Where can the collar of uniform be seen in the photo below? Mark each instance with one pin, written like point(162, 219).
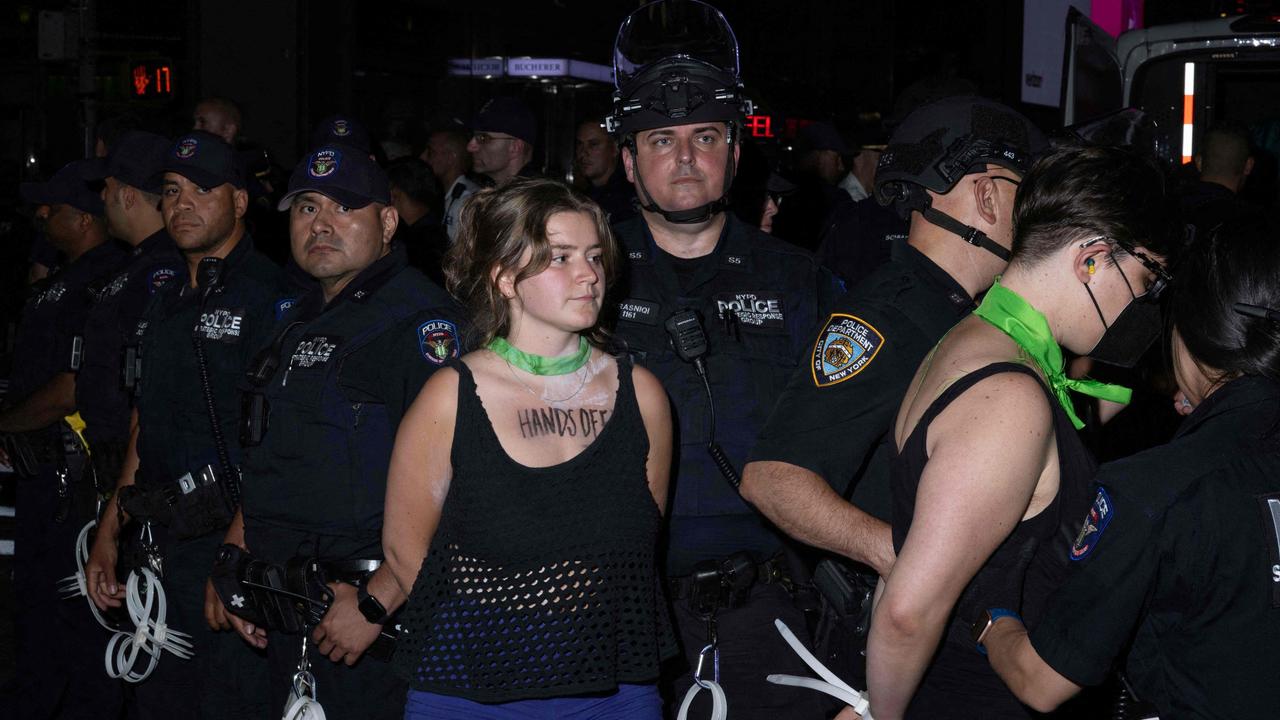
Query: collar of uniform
point(89, 263)
point(732, 250)
point(1246, 391)
point(233, 258)
point(902, 251)
point(155, 241)
point(362, 286)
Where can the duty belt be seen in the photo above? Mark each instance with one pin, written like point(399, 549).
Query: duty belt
point(720, 584)
point(190, 506)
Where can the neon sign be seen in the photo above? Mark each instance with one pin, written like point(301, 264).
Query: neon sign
point(152, 81)
point(760, 126)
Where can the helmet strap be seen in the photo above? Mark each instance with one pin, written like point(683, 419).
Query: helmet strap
point(968, 233)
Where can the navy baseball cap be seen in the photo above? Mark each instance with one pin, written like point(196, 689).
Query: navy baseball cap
point(821, 136)
point(205, 159)
point(507, 115)
point(136, 159)
point(343, 130)
point(341, 173)
point(66, 187)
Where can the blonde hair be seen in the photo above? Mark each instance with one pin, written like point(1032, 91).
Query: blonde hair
point(495, 229)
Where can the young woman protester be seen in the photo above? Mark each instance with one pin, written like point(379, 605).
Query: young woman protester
point(989, 472)
point(525, 492)
point(1178, 560)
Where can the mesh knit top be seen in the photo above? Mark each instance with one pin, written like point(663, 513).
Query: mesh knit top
point(539, 582)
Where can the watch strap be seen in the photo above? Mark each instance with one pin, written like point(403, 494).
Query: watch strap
point(372, 608)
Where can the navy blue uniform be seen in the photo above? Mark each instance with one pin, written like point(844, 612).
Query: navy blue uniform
point(174, 438)
point(760, 299)
point(1179, 559)
point(316, 484)
point(57, 641)
point(103, 397)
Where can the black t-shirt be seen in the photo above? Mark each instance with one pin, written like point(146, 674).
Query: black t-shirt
point(834, 416)
point(1180, 558)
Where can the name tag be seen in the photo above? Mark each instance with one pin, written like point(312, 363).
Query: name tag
point(641, 311)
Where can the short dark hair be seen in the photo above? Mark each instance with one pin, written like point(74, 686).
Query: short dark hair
point(1237, 262)
point(496, 227)
point(226, 105)
point(414, 178)
point(1224, 150)
point(1081, 191)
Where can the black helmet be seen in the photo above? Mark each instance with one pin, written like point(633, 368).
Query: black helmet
point(941, 142)
point(675, 62)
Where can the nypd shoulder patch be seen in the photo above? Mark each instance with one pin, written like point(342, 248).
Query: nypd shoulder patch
point(846, 345)
point(1097, 521)
point(159, 278)
point(438, 341)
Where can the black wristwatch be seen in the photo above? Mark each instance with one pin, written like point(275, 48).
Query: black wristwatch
point(370, 606)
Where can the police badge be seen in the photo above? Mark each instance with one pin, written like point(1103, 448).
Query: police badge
point(438, 341)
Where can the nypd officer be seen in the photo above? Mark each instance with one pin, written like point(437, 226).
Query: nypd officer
point(1175, 571)
point(56, 640)
point(719, 312)
point(328, 395)
point(131, 198)
point(180, 480)
point(820, 469)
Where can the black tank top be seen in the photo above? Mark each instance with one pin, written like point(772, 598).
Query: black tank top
point(1035, 552)
point(540, 582)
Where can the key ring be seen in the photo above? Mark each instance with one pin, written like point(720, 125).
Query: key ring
point(719, 702)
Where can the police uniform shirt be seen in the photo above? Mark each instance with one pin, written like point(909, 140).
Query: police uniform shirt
point(50, 336)
point(839, 405)
point(1180, 557)
point(175, 436)
point(102, 398)
point(759, 299)
point(347, 371)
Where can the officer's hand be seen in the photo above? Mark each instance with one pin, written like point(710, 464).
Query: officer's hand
point(100, 572)
point(250, 633)
point(214, 613)
point(343, 635)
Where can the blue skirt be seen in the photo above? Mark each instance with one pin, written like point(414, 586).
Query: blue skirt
point(629, 702)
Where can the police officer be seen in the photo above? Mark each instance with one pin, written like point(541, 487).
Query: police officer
point(1175, 571)
point(331, 388)
point(953, 167)
point(104, 391)
point(55, 639)
point(196, 337)
point(741, 305)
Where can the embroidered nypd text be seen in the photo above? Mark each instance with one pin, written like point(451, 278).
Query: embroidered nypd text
point(754, 309)
point(845, 347)
point(314, 350)
point(221, 324)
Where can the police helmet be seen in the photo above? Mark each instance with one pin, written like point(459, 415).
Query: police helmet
point(941, 142)
point(675, 62)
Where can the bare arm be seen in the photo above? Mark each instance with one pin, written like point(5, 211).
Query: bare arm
point(417, 483)
point(1021, 668)
point(655, 409)
point(987, 452)
point(54, 400)
point(803, 505)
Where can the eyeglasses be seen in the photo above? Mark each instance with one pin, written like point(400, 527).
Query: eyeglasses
point(1162, 277)
point(486, 138)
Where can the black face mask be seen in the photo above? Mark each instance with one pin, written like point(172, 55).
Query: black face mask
point(1134, 330)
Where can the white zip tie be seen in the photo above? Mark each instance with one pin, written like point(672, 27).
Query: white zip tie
point(151, 636)
point(833, 685)
point(76, 585)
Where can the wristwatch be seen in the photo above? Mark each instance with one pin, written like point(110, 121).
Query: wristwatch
point(372, 609)
point(979, 629)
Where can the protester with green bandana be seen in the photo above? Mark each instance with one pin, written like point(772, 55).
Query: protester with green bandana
point(989, 473)
point(528, 482)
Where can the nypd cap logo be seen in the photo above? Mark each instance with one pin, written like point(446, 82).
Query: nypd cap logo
point(187, 148)
point(1097, 521)
point(324, 163)
point(438, 341)
point(846, 345)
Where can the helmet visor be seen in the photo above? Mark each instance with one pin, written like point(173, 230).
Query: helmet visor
point(673, 28)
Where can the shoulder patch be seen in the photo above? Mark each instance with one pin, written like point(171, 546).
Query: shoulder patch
point(846, 345)
point(159, 278)
point(438, 341)
point(283, 306)
point(1097, 521)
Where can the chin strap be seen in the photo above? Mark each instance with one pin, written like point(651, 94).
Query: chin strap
point(833, 685)
point(969, 234)
point(699, 214)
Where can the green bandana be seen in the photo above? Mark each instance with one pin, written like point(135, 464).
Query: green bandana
point(1015, 317)
point(539, 365)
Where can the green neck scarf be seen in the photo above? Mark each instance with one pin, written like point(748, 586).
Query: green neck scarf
point(1015, 317)
point(539, 365)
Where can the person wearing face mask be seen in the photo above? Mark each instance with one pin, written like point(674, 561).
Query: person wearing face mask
point(1177, 560)
point(989, 469)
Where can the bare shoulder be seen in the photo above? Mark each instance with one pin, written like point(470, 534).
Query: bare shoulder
point(650, 395)
point(438, 398)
